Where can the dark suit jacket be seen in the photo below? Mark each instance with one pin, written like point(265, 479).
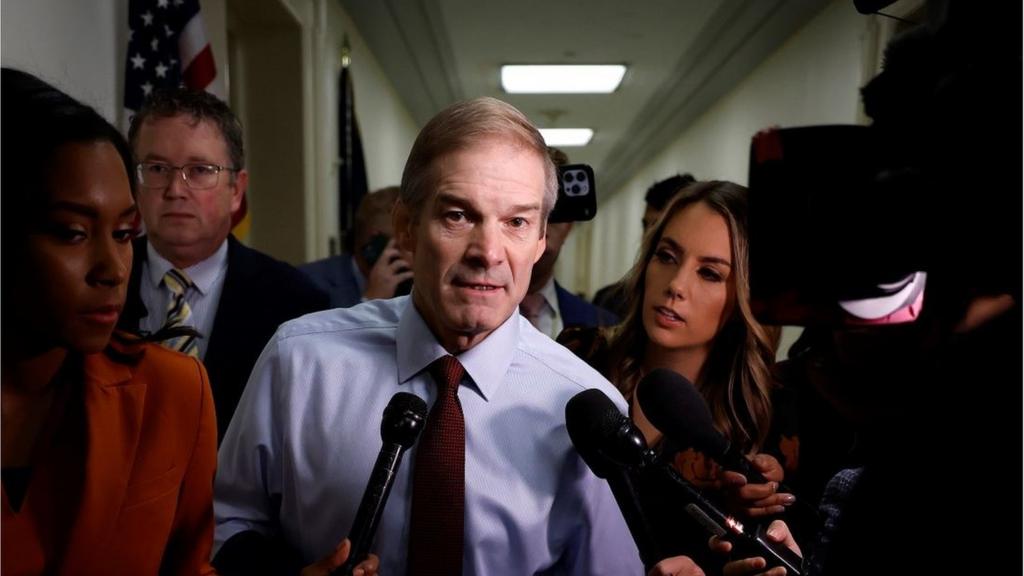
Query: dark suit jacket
point(613, 298)
point(578, 312)
point(259, 294)
point(335, 277)
point(123, 483)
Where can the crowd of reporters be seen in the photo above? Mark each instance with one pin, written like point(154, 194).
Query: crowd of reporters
point(133, 361)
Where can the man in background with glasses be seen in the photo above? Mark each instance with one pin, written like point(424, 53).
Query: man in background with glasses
point(188, 269)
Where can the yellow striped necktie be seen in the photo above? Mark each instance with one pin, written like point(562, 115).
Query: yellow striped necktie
point(179, 313)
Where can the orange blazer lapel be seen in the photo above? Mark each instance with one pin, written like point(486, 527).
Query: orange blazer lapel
point(113, 418)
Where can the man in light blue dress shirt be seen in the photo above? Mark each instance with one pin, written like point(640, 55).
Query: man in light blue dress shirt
point(475, 195)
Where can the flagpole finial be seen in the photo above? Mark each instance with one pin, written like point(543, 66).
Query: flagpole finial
point(346, 52)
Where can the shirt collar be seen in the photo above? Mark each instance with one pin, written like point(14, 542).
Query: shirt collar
point(551, 296)
point(203, 274)
point(486, 363)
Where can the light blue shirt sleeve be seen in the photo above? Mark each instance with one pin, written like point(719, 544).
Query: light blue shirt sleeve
point(248, 482)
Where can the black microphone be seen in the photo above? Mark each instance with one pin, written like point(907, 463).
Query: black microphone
point(677, 409)
point(399, 429)
point(609, 445)
point(604, 436)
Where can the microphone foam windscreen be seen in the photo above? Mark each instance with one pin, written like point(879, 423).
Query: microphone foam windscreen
point(403, 416)
point(591, 418)
point(675, 407)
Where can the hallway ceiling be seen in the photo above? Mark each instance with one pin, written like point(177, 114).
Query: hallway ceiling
point(682, 56)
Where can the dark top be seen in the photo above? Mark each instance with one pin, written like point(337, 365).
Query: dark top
point(578, 312)
point(259, 294)
point(15, 480)
point(613, 298)
point(336, 277)
point(944, 456)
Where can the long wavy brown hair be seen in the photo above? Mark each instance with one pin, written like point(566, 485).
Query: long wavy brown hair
point(735, 379)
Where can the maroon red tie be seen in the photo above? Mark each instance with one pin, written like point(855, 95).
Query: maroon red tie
point(439, 480)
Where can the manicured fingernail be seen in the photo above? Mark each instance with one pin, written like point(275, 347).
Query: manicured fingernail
point(788, 499)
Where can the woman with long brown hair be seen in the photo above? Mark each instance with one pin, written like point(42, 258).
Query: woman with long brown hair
point(689, 312)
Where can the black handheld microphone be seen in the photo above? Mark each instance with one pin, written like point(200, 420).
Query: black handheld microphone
point(673, 404)
point(609, 446)
point(399, 429)
point(603, 435)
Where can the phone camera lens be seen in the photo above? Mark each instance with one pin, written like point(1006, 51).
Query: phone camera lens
point(568, 177)
point(575, 188)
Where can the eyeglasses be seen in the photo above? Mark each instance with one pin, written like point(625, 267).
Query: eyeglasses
point(196, 176)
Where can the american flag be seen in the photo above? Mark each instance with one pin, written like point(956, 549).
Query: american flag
point(167, 46)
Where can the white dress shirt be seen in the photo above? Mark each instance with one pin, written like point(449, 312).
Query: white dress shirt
point(307, 432)
point(208, 277)
point(549, 320)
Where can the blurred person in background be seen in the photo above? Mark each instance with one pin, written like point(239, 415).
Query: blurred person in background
point(547, 305)
point(377, 268)
point(188, 269)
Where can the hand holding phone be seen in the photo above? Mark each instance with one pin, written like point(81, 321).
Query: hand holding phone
point(577, 194)
point(390, 270)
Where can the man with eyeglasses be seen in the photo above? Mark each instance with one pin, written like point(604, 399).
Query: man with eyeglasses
point(188, 269)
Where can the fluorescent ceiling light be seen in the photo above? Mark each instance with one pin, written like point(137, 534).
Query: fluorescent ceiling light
point(561, 79)
point(567, 136)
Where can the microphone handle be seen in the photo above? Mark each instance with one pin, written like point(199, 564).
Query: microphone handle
point(375, 496)
point(746, 544)
point(620, 480)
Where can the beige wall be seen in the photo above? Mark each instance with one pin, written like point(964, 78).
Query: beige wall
point(77, 46)
point(813, 78)
point(295, 210)
point(386, 127)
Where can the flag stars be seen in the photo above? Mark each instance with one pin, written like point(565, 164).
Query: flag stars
point(155, 45)
point(161, 70)
point(147, 18)
point(178, 2)
point(161, 3)
point(138, 62)
point(168, 31)
point(146, 89)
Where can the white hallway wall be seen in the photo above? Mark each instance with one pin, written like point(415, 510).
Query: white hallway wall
point(813, 78)
point(386, 126)
point(79, 47)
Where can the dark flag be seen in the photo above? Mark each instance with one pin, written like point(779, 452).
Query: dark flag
point(352, 168)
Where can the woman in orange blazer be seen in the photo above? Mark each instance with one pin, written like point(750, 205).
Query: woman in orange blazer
point(108, 442)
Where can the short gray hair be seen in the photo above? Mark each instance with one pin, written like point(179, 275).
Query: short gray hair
point(458, 127)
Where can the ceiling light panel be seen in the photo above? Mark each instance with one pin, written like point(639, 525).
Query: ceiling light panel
point(561, 79)
point(567, 136)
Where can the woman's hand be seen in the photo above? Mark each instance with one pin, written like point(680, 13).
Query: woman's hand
point(757, 500)
point(777, 532)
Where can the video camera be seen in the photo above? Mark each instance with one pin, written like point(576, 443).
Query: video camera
point(848, 222)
